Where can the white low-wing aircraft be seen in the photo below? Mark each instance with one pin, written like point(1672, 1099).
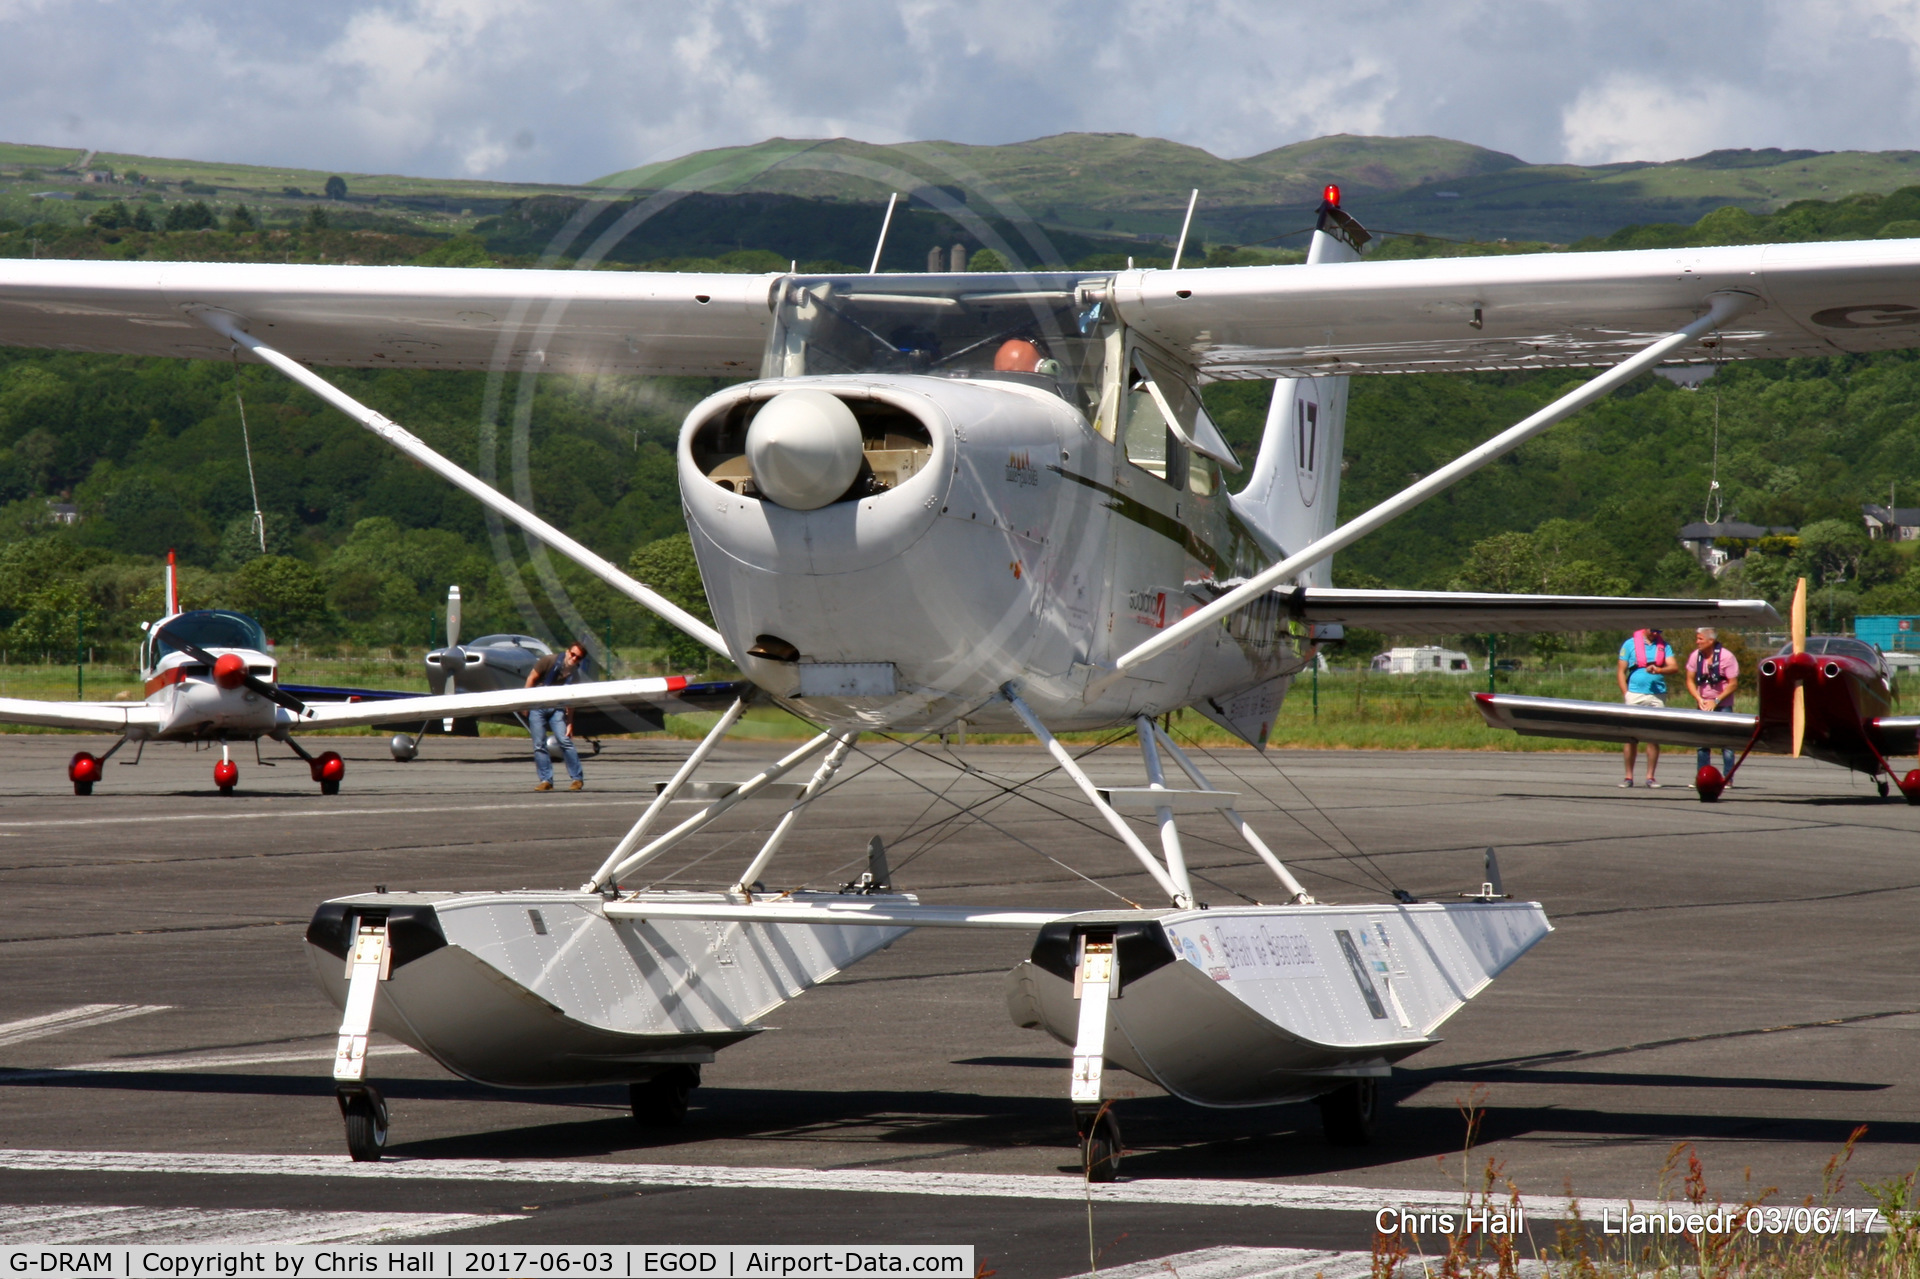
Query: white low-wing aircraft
point(991, 500)
point(209, 677)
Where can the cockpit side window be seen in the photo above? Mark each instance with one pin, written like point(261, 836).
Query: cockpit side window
point(1149, 443)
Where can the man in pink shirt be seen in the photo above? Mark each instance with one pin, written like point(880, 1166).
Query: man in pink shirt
point(1713, 674)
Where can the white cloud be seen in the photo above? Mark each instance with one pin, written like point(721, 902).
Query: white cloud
point(539, 89)
point(1629, 117)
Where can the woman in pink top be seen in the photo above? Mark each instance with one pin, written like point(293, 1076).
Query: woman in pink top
point(1713, 674)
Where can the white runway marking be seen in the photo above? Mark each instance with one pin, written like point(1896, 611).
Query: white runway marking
point(19, 1032)
point(1272, 1263)
point(210, 1061)
point(64, 1223)
point(1248, 1263)
point(634, 801)
point(1195, 1193)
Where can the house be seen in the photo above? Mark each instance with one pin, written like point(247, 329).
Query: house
point(1700, 539)
point(1896, 524)
point(63, 512)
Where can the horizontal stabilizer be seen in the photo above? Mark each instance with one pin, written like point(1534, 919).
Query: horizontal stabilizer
point(1608, 722)
point(707, 792)
point(1145, 799)
point(896, 911)
point(1455, 612)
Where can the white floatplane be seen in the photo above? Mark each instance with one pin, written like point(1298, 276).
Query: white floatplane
point(992, 500)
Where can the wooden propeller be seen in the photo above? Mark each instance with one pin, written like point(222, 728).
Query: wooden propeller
point(1798, 621)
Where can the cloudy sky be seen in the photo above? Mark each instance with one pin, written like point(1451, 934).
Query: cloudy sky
point(549, 91)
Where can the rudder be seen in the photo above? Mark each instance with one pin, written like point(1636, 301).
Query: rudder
point(1293, 494)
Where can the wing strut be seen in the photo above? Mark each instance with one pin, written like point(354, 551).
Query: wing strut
point(1180, 900)
point(398, 436)
point(1723, 307)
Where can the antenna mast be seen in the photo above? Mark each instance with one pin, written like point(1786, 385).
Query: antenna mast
point(885, 222)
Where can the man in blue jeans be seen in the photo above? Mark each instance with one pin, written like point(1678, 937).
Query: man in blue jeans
point(1713, 674)
point(553, 719)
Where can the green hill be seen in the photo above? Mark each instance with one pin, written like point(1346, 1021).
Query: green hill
point(147, 449)
point(1120, 183)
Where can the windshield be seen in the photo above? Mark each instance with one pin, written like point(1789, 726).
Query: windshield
point(209, 628)
point(1044, 331)
point(1837, 646)
point(527, 642)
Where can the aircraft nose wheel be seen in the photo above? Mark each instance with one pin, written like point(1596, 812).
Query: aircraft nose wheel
point(1348, 1113)
point(226, 775)
point(661, 1102)
point(365, 1113)
point(1099, 1142)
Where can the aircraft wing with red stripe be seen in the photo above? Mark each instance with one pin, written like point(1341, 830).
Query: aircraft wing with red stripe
point(1608, 722)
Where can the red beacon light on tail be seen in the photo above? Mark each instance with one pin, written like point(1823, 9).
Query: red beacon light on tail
point(1331, 195)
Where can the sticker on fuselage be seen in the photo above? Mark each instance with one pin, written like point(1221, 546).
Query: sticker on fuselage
point(1361, 977)
point(1258, 948)
point(1306, 449)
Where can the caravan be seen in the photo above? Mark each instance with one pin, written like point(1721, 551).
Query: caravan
point(1423, 661)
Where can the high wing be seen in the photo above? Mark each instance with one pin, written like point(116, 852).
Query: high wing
point(674, 690)
point(1608, 722)
point(1448, 314)
point(1457, 612)
point(1528, 310)
point(105, 717)
point(397, 316)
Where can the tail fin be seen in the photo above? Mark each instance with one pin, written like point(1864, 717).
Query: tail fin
point(1293, 495)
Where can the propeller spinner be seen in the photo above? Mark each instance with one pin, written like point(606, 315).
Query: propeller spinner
point(229, 670)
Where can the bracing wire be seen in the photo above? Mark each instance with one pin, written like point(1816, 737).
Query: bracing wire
point(246, 444)
point(1711, 514)
point(1359, 858)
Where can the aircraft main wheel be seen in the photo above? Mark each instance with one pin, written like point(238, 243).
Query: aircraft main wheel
point(366, 1119)
point(661, 1102)
point(1347, 1114)
point(1100, 1148)
point(328, 768)
point(1910, 786)
point(83, 788)
point(83, 771)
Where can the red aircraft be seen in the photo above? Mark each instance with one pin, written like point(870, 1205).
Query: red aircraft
point(1827, 697)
